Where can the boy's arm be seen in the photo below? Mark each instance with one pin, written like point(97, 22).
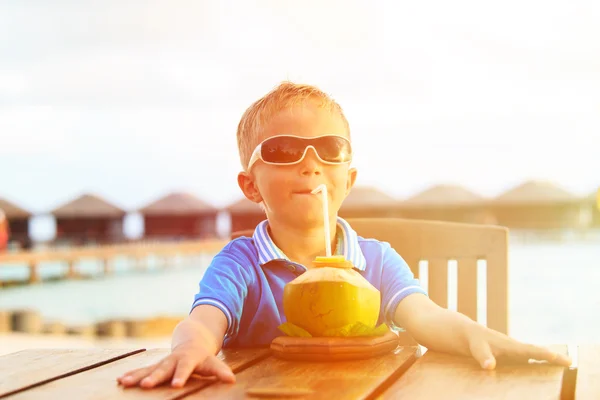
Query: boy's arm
point(196, 341)
point(205, 323)
point(447, 331)
point(432, 326)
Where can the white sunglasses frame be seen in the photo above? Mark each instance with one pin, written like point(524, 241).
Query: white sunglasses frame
point(256, 154)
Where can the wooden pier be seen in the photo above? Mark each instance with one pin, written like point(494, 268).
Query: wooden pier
point(34, 260)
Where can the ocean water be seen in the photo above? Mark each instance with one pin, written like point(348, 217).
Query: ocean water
point(554, 292)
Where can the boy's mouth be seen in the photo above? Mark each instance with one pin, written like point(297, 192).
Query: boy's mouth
point(307, 191)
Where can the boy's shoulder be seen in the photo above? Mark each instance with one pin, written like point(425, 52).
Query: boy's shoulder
point(373, 247)
point(242, 248)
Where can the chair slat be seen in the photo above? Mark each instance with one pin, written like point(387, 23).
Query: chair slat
point(438, 281)
point(467, 287)
point(497, 288)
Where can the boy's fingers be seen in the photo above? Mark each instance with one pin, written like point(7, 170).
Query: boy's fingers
point(133, 377)
point(214, 367)
point(545, 354)
point(481, 351)
point(163, 372)
point(562, 359)
point(129, 373)
point(522, 352)
point(183, 370)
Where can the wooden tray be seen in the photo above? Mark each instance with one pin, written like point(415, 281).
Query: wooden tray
point(333, 348)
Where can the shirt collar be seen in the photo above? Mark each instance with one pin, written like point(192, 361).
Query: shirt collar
point(347, 245)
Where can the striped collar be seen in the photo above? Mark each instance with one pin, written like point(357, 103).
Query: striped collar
point(347, 245)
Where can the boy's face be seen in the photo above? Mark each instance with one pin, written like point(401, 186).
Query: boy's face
point(285, 188)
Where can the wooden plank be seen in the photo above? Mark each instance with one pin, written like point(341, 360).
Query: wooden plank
point(101, 383)
point(442, 376)
point(467, 287)
point(588, 373)
point(102, 252)
point(34, 273)
point(333, 348)
point(29, 368)
point(497, 287)
point(433, 239)
point(361, 379)
point(438, 281)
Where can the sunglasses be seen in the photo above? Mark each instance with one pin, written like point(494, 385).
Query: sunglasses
point(289, 150)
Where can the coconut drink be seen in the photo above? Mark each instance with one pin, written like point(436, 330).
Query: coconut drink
point(331, 299)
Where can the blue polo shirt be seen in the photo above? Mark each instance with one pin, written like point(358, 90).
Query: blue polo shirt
point(246, 280)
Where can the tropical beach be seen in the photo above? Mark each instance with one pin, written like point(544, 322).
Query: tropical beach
point(132, 141)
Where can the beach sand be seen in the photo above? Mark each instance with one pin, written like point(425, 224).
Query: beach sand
point(14, 341)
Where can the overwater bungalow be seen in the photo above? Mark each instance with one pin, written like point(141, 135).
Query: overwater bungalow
point(88, 219)
point(245, 215)
point(446, 202)
point(367, 202)
point(179, 216)
point(538, 205)
point(18, 222)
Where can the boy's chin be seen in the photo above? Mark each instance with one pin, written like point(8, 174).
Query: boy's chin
point(306, 220)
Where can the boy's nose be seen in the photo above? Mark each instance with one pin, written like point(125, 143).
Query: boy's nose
point(311, 165)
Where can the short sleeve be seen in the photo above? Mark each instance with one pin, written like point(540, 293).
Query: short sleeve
point(398, 281)
point(225, 286)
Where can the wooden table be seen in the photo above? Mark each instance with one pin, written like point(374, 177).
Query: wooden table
point(91, 374)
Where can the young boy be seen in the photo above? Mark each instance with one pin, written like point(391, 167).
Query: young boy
point(291, 141)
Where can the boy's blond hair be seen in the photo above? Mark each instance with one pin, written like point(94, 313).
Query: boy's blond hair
point(286, 95)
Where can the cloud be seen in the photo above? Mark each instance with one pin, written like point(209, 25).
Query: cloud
point(36, 130)
point(431, 55)
point(131, 98)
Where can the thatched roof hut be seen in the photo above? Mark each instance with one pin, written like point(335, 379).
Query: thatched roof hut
point(245, 215)
point(178, 203)
point(446, 202)
point(535, 192)
point(89, 218)
point(367, 201)
point(88, 206)
point(12, 210)
point(179, 215)
point(18, 222)
point(444, 196)
point(537, 205)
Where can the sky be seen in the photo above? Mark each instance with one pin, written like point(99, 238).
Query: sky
point(133, 99)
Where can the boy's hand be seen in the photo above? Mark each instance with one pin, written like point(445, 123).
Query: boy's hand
point(184, 360)
point(486, 345)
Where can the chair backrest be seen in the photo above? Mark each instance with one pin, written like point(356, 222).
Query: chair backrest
point(439, 243)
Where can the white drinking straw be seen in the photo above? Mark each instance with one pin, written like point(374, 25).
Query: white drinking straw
point(323, 189)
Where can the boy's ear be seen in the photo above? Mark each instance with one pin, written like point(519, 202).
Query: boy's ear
point(352, 172)
point(248, 185)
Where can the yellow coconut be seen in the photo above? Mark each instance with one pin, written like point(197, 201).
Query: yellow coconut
point(330, 296)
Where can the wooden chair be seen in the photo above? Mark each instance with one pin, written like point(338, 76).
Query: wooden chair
point(440, 242)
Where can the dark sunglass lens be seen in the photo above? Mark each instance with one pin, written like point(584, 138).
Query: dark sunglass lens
point(282, 150)
point(333, 149)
